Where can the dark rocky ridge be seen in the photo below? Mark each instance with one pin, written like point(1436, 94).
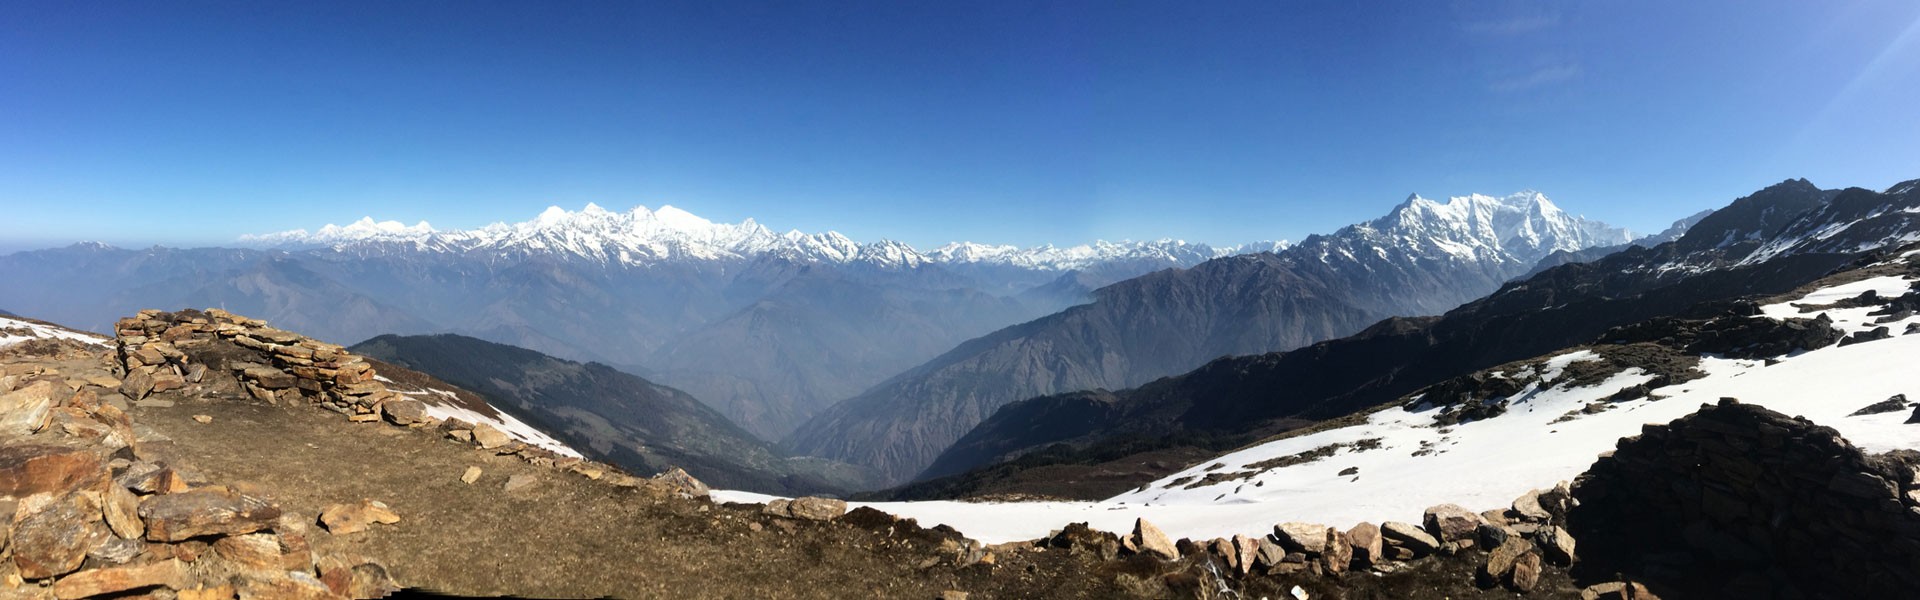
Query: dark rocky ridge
point(1740, 501)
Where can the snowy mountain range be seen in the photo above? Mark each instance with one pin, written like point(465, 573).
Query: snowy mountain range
point(1422, 258)
point(642, 236)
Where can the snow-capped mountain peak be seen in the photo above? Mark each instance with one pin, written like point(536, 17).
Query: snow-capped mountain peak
point(1524, 226)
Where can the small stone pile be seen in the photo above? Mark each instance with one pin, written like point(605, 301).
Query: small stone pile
point(84, 512)
point(1741, 501)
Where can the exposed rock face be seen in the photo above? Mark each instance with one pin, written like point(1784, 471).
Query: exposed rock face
point(1742, 501)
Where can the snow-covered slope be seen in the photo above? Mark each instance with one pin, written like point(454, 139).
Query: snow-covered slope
point(1398, 461)
point(641, 236)
point(15, 330)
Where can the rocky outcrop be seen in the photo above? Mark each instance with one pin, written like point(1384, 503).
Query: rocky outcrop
point(1743, 501)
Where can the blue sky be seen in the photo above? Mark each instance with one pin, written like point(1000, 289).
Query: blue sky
point(191, 123)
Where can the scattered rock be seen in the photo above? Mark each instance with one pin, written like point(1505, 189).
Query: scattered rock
point(206, 511)
point(1617, 590)
point(1894, 404)
point(348, 518)
point(953, 595)
point(202, 419)
point(1147, 539)
point(817, 509)
point(519, 481)
point(472, 475)
point(489, 438)
point(405, 411)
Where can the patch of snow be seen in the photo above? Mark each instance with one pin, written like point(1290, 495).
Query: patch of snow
point(506, 423)
point(22, 331)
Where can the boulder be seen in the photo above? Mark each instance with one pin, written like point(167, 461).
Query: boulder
point(1556, 544)
point(1246, 553)
point(1526, 574)
point(1268, 554)
point(1310, 538)
point(1528, 507)
point(251, 552)
point(1411, 537)
point(405, 411)
point(1451, 522)
point(355, 517)
point(1501, 559)
point(206, 511)
point(778, 507)
point(1367, 545)
point(1147, 539)
point(122, 510)
point(54, 540)
point(30, 469)
point(678, 480)
point(136, 385)
point(817, 509)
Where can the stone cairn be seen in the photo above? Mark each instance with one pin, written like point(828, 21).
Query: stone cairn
point(296, 369)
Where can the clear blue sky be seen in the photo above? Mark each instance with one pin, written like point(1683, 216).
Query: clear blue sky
point(193, 122)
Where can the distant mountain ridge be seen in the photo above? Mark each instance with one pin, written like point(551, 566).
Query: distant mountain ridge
point(1424, 257)
point(642, 236)
point(767, 327)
